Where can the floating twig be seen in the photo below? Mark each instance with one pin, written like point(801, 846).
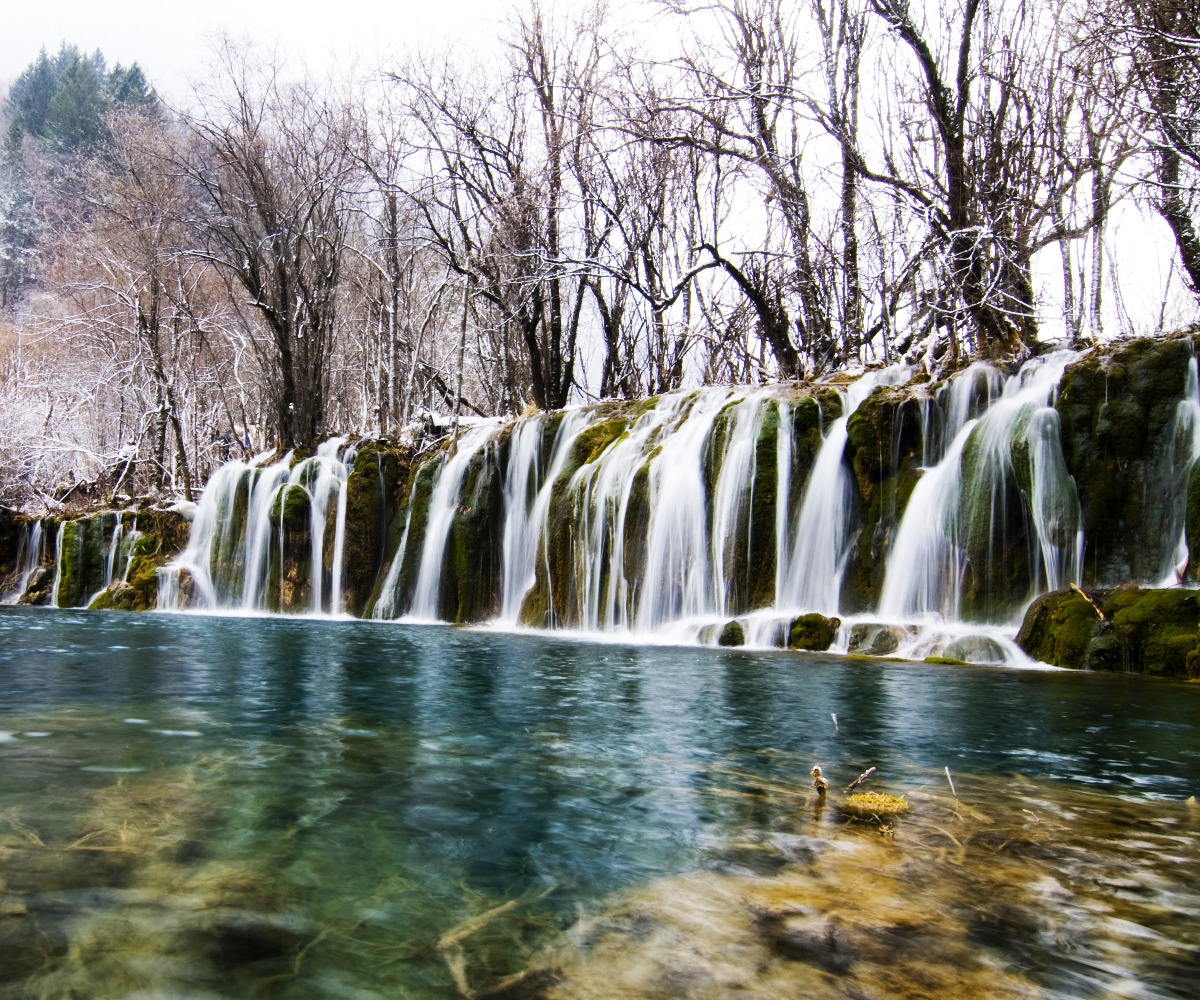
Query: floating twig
point(951, 780)
point(833, 715)
point(860, 779)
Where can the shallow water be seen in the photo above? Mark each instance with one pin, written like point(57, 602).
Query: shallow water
point(219, 807)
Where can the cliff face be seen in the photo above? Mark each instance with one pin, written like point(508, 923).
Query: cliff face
point(887, 500)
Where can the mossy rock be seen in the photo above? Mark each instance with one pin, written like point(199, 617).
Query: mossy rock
point(289, 567)
point(372, 491)
point(732, 634)
point(594, 440)
point(813, 632)
point(1117, 407)
point(1058, 628)
point(1143, 631)
point(1158, 630)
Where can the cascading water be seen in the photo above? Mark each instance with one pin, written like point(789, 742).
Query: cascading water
point(118, 552)
point(952, 536)
point(442, 507)
point(31, 550)
point(812, 560)
point(1179, 458)
point(253, 518)
point(684, 515)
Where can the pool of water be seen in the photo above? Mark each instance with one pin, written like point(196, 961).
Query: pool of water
point(218, 807)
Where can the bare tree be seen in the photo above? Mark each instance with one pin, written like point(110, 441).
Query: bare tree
point(273, 163)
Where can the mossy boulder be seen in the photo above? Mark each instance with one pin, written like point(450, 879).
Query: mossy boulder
point(289, 573)
point(813, 632)
point(732, 634)
point(1142, 631)
point(1058, 628)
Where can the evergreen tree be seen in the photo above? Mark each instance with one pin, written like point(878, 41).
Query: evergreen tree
point(73, 122)
point(62, 101)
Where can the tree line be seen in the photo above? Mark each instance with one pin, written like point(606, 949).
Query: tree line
point(753, 190)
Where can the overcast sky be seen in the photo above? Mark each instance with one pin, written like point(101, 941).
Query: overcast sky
point(170, 39)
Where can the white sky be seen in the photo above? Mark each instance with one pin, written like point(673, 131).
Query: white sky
point(170, 39)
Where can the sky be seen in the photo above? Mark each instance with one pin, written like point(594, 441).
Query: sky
point(173, 43)
point(171, 40)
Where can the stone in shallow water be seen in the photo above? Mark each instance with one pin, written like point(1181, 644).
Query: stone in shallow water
point(813, 632)
point(874, 639)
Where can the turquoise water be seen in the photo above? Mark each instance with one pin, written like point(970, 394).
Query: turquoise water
point(196, 806)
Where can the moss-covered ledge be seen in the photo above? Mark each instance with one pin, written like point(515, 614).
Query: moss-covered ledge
point(1125, 629)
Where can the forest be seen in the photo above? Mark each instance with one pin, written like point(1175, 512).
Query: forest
point(756, 191)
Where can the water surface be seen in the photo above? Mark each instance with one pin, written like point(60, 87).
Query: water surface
point(198, 806)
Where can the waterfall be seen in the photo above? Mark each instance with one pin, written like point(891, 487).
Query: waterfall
point(31, 549)
point(442, 507)
point(58, 563)
point(241, 549)
point(527, 494)
point(118, 552)
point(925, 521)
point(812, 561)
point(1179, 458)
point(952, 533)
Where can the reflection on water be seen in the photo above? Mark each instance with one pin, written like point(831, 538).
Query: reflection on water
point(217, 807)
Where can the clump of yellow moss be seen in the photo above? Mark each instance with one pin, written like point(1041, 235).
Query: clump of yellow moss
point(874, 804)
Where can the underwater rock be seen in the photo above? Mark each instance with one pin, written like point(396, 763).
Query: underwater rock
point(813, 632)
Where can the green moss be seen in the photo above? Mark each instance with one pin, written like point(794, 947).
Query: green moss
point(813, 632)
point(372, 489)
point(1117, 406)
point(592, 442)
point(732, 634)
point(1144, 631)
